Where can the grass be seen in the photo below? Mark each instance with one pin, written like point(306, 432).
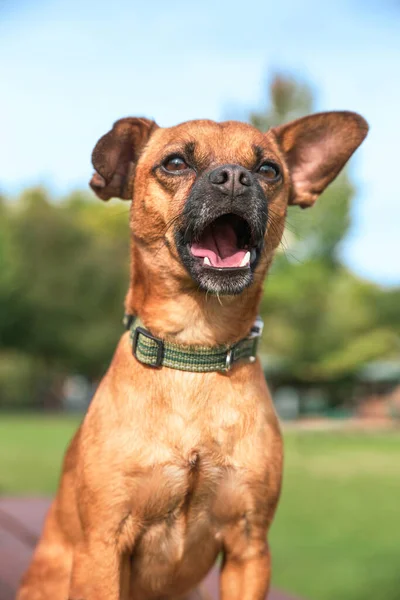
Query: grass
point(31, 451)
point(337, 530)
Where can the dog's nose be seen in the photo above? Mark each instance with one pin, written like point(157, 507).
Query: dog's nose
point(231, 179)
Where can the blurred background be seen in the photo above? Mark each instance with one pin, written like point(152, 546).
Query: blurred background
point(331, 347)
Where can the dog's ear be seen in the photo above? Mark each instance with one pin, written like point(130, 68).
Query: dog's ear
point(316, 149)
point(115, 155)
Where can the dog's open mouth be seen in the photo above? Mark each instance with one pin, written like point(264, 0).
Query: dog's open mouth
point(225, 244)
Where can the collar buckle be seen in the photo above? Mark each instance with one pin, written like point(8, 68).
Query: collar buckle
point(158, 342)
point(255, 332)
point(128, 321)
point(229, 359)
point(257, 329)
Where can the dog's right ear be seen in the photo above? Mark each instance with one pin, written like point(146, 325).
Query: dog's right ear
point(316, 148)
point(115, 156)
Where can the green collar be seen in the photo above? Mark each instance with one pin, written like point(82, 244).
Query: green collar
point(156, 352)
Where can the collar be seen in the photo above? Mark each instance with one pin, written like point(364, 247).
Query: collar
point(156, 353)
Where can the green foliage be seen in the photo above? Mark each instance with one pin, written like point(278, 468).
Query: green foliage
point(321, 319)
point(19, 374)
point(63, 276)
point(288, 100)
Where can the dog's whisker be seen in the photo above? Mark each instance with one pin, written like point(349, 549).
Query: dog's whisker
point(219, 299)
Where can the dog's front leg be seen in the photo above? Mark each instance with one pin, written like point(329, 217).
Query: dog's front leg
point(246, 571)
point(96, 572)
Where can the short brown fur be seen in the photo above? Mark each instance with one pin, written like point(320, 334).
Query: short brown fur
point(169, 468)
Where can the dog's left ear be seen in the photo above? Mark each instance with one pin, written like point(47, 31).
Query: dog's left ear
point(115, 156)
point(316, 149)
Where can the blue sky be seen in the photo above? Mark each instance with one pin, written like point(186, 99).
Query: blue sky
point(68, 69)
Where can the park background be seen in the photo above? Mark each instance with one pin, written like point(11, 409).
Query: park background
point(331, 346)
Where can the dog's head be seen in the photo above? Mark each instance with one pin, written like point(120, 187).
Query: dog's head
point(210, 199)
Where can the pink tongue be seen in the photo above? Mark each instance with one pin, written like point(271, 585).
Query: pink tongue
point(219, 245)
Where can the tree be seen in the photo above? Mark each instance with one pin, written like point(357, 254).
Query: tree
point(67, 266)
point(320, 318)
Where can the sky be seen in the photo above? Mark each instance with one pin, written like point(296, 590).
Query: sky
point(69, 69)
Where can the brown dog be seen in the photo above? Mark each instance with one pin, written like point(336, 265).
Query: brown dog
point(173, 465)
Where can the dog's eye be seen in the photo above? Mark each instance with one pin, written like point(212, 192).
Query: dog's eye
point(174, 163)
point(270, 170)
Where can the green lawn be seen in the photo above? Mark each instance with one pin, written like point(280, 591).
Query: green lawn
point(337, 531)
point(31, 451)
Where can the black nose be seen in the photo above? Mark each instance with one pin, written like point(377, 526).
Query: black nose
point(231, 179)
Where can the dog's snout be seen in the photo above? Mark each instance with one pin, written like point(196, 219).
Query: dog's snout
point(231, 179)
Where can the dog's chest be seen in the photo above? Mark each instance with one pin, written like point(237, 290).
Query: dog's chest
point(192, 478)
point(195, 462)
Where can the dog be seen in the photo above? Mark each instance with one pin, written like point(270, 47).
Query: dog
point(179, 457)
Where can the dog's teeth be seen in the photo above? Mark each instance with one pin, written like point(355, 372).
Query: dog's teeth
point(245, 260)
point(206, 261)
